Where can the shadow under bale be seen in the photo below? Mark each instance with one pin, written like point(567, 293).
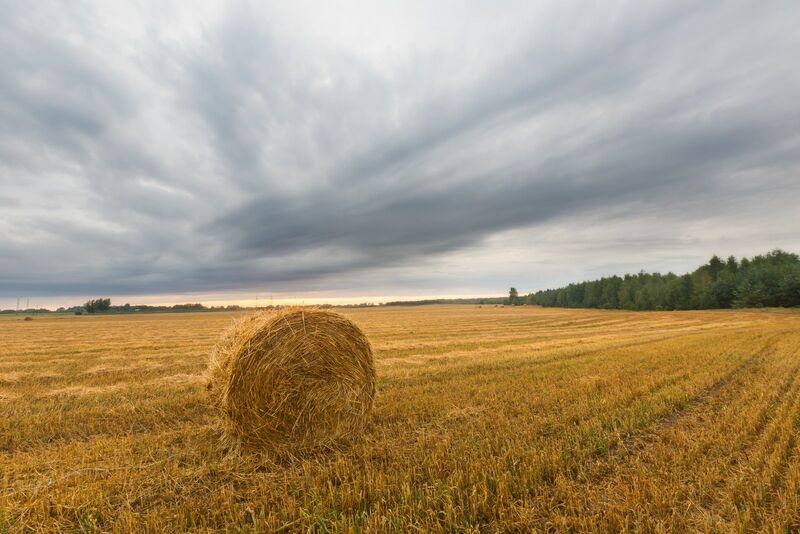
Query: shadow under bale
point(292, 382)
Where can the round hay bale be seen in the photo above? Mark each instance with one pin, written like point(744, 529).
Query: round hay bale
point(293, 381)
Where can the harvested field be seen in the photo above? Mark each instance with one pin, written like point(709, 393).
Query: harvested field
point(485, 419)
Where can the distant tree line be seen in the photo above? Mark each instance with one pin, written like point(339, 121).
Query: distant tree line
point(427, 302)
point(103, 305)
point(188, 307)
point(771, 279)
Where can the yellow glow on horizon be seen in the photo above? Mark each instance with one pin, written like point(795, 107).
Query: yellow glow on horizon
point(216, 299)
point(293, 301)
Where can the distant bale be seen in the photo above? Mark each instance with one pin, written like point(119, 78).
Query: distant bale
point(292, 381)
point(28, 319)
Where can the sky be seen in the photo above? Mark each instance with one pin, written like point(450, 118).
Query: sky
point(218, 151)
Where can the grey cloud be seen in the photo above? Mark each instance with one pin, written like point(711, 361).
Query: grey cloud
point(240, 156)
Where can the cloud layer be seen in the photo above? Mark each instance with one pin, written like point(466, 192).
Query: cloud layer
point(374, 149)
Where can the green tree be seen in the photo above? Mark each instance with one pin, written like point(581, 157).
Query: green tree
point(513, 295)
point(732, 266)
point(715, 266)
point(789, 289)
point(97, 305)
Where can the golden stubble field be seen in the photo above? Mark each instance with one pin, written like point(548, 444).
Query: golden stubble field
point(486, 419)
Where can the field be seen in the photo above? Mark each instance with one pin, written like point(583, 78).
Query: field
point(486, 419)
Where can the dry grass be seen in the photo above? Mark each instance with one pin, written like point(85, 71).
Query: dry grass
point(291, 383)
point(485, 419)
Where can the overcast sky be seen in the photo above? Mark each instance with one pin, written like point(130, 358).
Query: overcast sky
point(217, 150)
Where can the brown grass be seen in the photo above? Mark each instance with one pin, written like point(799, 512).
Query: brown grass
point(292, 382)
point(505, 419)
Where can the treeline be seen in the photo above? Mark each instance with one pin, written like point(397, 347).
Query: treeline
point(104, 306)
point(145, 308)
point(483, 300)
point(771, 279)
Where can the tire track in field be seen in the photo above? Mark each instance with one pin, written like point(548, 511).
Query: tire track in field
point(790, 486)
point(767, 473)
point(707, 395)
point(792, 447)
point(636, 442)
point(651, 452)
point(770, 466)
point(783, 401)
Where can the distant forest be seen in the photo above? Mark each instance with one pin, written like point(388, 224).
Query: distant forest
point(771, 279)
point(426, 302)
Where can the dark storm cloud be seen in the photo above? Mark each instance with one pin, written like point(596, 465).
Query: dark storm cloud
point(141, 155)
point(656, 166)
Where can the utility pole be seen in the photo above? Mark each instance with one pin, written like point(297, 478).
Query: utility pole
point(16, 310)
point(256, 301)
